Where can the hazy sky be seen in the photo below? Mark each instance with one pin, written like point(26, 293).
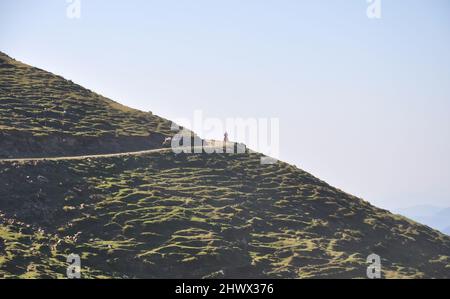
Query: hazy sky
point(364, 104)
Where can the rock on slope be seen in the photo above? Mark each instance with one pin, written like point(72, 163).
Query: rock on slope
point(163, 215)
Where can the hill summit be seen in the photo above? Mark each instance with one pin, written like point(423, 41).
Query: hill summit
point(164, 215)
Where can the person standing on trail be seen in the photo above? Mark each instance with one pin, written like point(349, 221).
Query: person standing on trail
point(225, 137)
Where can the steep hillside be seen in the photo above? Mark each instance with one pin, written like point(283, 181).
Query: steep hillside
point(162, 215)
point(166, 215)
point(42, 114)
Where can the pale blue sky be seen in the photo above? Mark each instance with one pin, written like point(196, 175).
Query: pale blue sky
point(363, 104)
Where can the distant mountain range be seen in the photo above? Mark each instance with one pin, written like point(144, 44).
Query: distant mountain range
point(433, 216)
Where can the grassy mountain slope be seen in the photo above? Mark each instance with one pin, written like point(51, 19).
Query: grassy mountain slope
point(161, 215)
point(42, 114)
